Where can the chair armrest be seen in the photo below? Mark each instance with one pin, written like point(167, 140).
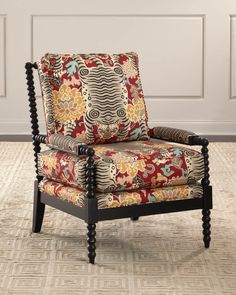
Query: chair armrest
point(173, 134)
point(69, 145)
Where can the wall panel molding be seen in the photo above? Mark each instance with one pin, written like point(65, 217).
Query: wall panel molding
point(3, 79)
point(232, 58)
point(156, 95)
point(187, 56)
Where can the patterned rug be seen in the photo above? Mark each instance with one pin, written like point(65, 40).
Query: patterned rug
point(160, 254)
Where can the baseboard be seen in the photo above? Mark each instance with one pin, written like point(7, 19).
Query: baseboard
point(28, 138)
point(16, 137)
point(214, 130)
point(221, 138)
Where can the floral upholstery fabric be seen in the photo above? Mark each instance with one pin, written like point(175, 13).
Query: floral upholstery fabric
point(96, 98)
point(118, 199)
point(126, 166)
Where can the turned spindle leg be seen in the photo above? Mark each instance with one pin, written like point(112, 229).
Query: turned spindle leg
point(206, 227)
point(205, 183)
point(91, 242)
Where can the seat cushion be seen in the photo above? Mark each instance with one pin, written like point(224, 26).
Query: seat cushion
point(125, 198)
point(96, 98)
point(126, 166)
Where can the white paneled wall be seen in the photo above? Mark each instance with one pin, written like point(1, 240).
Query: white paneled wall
point(233, 58)
point(2, 57)
point(187, 52)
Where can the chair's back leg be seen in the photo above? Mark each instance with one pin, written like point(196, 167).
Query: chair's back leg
point(38, 210)
point(134, 218)
point(33, 112)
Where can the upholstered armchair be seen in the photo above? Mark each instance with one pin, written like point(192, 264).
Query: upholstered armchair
point(102, 161)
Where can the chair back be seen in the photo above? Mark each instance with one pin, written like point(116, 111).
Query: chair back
point(96, 98)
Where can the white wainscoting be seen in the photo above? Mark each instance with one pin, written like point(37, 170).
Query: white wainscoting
point(173, 67)
point(233, 57)
point(2, 56)
point(187, 55)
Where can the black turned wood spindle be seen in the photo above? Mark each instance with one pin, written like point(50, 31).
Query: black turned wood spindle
point(38, 207)
point(90, 194)
point(91, 242)
point(90, 174)
point(205, 180)
point(33, 112)
point(206, 227)
point(205, 183)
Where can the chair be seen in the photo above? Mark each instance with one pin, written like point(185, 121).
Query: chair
point(102, 161)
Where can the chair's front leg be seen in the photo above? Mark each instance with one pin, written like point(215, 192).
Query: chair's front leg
point(90, 185)
point(206, 191)
point(206, 227)
point(90, 201)
point(91, 242)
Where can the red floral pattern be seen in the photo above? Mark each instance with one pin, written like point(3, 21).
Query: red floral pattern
point(119, 199)
point(126, 166)
point(96, 98)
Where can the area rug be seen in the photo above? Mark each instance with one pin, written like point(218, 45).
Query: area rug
point(160, 254)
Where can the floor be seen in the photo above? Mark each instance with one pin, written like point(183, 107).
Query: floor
point(161, 254)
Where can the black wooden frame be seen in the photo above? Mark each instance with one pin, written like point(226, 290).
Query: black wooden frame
point(90, 212)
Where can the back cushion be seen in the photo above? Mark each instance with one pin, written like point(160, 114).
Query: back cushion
point(96, 98)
